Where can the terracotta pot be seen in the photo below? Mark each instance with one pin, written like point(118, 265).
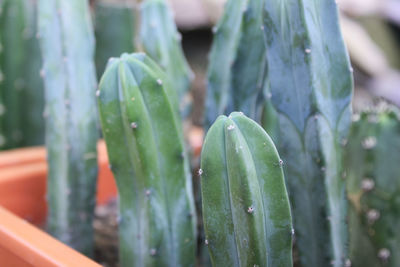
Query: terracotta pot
point(22, 193)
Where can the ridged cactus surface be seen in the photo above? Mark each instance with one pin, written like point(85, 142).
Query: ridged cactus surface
point(67, 45)
point(114, 31)
point(246, 209)
point(237, 62)
point(373, 189)
point(143, 132)
point(310, 81)
point(160, 39)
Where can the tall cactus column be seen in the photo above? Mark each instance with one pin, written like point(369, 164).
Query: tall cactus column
point(143, 132)
point(67, 46)
point(373, 188)
point(246, 209)
point(311, 84)
point(160, 39)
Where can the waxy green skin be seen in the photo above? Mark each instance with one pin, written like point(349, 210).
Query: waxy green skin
point(373, 185)
point(246, 209)
point(160, 39)
point(237, 62)
point(67, 45)
point(21, 88)
point(310, 80)
point(114, 31)
point(143, 133)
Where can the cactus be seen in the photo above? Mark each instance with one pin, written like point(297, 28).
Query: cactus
point(310, 79)
point(144, 138)
point(21, 87)
point(33, 124)
point(373, 185)
point(237, 62)
point(12, 23)
point(114, 31)
point(160, 39)
point(246, 209)
point(67, 45)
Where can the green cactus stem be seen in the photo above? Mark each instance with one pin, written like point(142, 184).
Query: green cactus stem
point(114, 30)
point(237, 62)
point(246, 209)
point(67, 45)
point(143, 133)
point(373, 189)
point(160, 39)
point(12, 26)
point(310, 80)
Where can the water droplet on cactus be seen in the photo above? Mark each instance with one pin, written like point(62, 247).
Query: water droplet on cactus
point(372, 216)
point(367, 184)
point(369, 142)
point(384, 254)
point(230, 127)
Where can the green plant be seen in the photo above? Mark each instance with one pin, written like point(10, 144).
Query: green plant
point(246, 210)
point(310, 80)
point(21, 88)
point(67, 45)
point(143, 132)
point(373, 189)
point(237, 62)
point(160, 39)
point(114, 31)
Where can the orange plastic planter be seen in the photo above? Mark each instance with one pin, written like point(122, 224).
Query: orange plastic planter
point(22, 192)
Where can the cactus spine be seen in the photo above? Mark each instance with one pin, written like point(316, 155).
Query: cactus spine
point(160, 39)
point(373, 189)
point(311, 84)
point(67, 46)
point(237, 62)
point(114, 30)
point(143, 132)
point(245, 205)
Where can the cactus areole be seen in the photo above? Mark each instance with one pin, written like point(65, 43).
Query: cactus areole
point(143, 132)
point(246, 209)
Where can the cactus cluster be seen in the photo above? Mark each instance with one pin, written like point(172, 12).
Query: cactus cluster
point(373, 188)
point(67, 46)
point(143, 132)
point(237, 62)
point(246, 210)
point(159, 38)
point(309, 77)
